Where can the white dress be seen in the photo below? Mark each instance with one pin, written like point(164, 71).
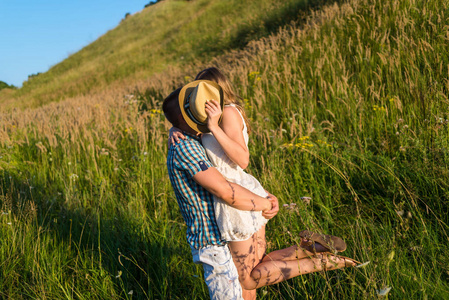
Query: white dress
point(234, 224)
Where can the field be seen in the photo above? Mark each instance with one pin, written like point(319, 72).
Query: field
point(348, 107)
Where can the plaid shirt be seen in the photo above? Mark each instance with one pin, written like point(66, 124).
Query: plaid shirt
point(184, 160)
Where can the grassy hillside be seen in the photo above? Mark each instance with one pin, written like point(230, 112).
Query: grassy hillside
point(348, 107)
point(169, 33)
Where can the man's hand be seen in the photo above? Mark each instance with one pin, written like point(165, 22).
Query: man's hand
point(269, 214)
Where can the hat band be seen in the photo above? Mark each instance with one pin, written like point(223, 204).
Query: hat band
point(189, 113)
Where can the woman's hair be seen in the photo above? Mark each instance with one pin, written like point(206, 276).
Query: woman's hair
point(230, 97)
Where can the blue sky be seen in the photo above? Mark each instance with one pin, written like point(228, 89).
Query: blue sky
point(37, 34)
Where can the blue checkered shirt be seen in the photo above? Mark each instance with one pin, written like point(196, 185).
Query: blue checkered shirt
point(184, 160)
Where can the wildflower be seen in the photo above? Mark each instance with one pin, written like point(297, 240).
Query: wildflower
point(285, 205)
point(287, 145)
point(9, 223)
point(306, 200)
point(379, 108)
point(145, 153)
point(119, 274)
point(74, 177)
point(402, 149)
point(253, 75)
point(130, 292)
point(384, 291)
point(69, 163)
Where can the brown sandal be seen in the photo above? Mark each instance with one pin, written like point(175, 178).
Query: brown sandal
point(316, 242)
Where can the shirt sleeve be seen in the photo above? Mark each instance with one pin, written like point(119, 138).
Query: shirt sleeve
point(191, 157)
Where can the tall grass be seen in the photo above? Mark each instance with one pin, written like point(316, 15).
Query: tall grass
point(350, 131)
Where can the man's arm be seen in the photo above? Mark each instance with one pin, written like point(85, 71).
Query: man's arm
point(231, 193)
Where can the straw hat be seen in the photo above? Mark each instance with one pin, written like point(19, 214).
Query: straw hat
point(192, 101)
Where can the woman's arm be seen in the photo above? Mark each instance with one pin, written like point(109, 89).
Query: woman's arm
point(175, 134)
point(236, 195)
point(229, 133)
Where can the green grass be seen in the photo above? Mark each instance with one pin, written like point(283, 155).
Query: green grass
point(169, 33)
point(348, 107)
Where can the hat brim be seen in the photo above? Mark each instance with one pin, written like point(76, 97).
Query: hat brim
point(185, 92)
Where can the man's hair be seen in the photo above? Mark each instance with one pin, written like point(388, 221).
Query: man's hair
point(171, 107)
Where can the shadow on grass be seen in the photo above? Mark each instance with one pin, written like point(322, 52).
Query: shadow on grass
point(104, 256)
point(262, 27)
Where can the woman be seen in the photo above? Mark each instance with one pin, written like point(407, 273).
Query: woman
point(226, 147)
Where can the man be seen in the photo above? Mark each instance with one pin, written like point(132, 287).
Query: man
point(195, 181)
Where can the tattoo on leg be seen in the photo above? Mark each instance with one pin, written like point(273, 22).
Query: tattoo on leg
point(233, 192)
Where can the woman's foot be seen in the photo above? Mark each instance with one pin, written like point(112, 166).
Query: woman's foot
point(332, 262)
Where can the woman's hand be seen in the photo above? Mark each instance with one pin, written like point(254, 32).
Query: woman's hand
point(213, 111)
point(269, 214)
point(174, 135)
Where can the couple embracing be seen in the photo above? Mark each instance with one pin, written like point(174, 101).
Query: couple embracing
point(225, 208)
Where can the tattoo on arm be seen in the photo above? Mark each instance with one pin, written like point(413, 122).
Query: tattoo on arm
point(233, 192)
point(254, 205)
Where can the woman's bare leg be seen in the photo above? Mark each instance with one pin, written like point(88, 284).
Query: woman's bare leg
point(271, 272)
point(260, 245)
point(290, 253)
point(254, 257)
point(278, 265)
